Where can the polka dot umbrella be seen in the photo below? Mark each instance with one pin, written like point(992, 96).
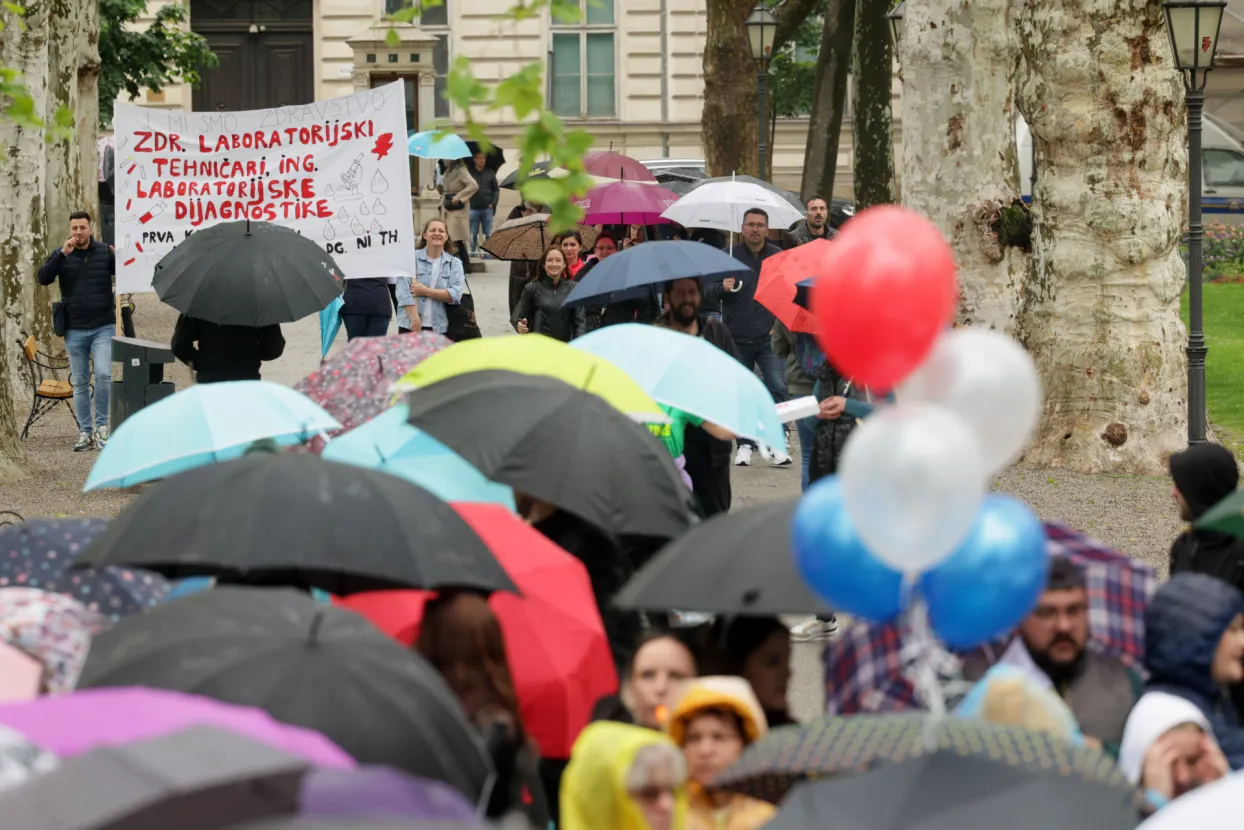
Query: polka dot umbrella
point(39, 553)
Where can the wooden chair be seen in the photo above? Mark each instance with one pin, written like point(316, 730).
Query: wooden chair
point(47, 390)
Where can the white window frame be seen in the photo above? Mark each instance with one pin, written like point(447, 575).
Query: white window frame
point(582, 28)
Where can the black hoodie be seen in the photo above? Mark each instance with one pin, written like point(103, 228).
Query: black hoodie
point(1205, 474)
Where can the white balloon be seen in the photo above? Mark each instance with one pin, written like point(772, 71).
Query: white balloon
point(913, 480)
point(989, 381)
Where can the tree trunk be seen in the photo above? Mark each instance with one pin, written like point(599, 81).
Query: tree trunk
point(959, 164)
point(833, 64)
point(1100, 312)
point(872, 72)
point(40, 183)
point(730, 122)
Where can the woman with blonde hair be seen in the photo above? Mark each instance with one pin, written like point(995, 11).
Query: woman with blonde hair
point(461, 638)
point(623, 777)
point(439, 281)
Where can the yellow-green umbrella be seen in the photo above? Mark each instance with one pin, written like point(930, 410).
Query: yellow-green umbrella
point(535, 354)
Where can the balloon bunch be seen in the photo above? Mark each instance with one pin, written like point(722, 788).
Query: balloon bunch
point(909, 507)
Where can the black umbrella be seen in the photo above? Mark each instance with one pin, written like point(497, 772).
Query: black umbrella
point(840, 210)
point(539, 170)
point(302, 521)
point(305, 664)
point(945, 791)
point(689, 175)
point(562, 445)
point(199, 779)
point(247, 274)
point(493, 159)
point(714, 568)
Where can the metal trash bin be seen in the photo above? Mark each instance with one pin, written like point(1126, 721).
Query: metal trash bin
point(142, 380)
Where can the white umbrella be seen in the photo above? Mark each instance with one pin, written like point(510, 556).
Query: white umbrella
point(1212, 807)
point(721, 205)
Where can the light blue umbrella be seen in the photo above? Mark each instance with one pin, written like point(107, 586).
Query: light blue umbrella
point(389, 444)
point(330, 324)
point(431, 144)
point(690, 374)
point(204, 424)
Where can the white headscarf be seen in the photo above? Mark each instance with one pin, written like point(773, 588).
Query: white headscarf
point(1155, 714)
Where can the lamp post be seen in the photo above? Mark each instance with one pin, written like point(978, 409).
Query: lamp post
point(1193, 29)
point(761, 28)
point(895, 19)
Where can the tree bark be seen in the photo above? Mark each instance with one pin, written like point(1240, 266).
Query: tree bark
point(833, 64)
point(1100, 312)
point(959, 164)
point(730, 120)
point(872, 73)
point(41, 183)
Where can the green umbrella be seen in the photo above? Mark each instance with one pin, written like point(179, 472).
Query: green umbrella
point(1225, 517)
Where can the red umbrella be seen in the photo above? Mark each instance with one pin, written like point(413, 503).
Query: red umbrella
point(779, 276)
point(626, 203)
point(553, 633)
point(606, 164)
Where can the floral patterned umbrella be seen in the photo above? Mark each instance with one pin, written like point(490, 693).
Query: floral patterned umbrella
point(354, 386)
point(51, 628)
point(40, 553)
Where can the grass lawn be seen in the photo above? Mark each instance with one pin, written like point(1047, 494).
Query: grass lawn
point(1224, 365)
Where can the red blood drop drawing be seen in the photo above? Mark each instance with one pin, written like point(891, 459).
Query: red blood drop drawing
point(139, 246)
point(131, 261)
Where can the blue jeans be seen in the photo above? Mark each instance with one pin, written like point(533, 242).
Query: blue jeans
point(365, 325)
point(807, 436)
point(84, 347)
point(480, 218)
point(758, 354)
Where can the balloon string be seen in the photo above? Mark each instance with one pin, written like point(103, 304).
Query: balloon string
point(923, 671)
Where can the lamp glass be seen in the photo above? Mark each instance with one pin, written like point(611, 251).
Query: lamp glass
point(895, 19)
point(761, 29)
point(1193, 29)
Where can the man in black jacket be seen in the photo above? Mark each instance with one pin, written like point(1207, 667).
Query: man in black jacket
point(85, 268)
point(484, 202)
point(708, 458)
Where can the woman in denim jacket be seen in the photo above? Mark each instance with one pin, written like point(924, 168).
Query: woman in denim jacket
point(439, 281)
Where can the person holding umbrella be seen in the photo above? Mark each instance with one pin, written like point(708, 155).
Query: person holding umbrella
point(459, 188)
point(217, 354)
point(540, 308)
point(439, 281)
point(522, 271)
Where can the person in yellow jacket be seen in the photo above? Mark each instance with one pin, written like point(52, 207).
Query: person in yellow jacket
point(623, 777)
point(713, 720)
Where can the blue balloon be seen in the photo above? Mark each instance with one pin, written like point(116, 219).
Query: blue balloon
point(834, 562)
point(987, 586)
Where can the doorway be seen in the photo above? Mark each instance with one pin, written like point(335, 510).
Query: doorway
point(266, 51)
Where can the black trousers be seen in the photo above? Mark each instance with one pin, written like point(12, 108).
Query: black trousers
point(710, 481)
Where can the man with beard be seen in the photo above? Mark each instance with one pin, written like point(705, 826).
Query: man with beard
point(1051, 646)
point(708, 458)
point(814, 225)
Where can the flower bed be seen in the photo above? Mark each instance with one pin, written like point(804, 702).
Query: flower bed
point(1223, 253)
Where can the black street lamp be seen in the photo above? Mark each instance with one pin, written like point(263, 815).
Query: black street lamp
point(1193, 29)
point(761, 28)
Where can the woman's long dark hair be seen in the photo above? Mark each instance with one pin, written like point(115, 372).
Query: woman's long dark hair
point(540, 272)
point(450, 245)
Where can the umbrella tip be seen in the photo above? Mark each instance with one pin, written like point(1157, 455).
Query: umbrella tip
point(248, 226)
point(313, 636)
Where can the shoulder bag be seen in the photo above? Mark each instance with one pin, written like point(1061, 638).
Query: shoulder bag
point(461, 317)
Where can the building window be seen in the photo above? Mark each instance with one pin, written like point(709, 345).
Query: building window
point(583, 59)
point(433, 16)
point(440, 59)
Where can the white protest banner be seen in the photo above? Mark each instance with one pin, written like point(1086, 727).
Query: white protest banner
point(336, 171)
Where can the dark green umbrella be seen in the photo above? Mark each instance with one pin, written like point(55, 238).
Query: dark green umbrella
point(1225, 517)
point(562, 445)
point(946, 791)
point(770, 767)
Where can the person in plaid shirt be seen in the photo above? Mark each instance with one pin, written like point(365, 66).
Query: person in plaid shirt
point(1051, 646)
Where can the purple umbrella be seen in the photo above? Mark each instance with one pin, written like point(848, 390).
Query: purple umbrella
point(70, 725)
point(626, 203)
point(382, 792)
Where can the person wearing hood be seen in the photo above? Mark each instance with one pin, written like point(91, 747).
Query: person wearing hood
point(623, 777)
point(713, 721)
point(1202, 476)
point(1194, 648)
point(1169, 749)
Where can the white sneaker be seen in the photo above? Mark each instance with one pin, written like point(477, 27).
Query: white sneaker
point(743, 458)
point(777, 458)
point(812, 630)
point(787, 435)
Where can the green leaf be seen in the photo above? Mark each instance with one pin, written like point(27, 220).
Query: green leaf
point(392, 38)
point(543, 191)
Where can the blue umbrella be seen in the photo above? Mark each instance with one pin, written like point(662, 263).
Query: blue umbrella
point(615, 279)
point(389, 444)
point(330, 324)
point(690, 374)
point(40, 554)
point(202, 425)
point(433, 144)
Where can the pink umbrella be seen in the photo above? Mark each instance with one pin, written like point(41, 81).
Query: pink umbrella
point(626, 203)
point(606, 164)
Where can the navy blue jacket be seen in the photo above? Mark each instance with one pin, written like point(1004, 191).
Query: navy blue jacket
point(85, 284)
point(1183, 624)
point(747, 319)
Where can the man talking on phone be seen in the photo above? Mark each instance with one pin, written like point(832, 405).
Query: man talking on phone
point(85, 268)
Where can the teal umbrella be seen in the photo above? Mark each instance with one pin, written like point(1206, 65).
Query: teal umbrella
point(204, 424)
point(330, 324)
point(690, 374)
point(389, 444)
point(433, 144)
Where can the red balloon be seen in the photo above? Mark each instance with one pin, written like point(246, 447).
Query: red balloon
point(885, 292)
